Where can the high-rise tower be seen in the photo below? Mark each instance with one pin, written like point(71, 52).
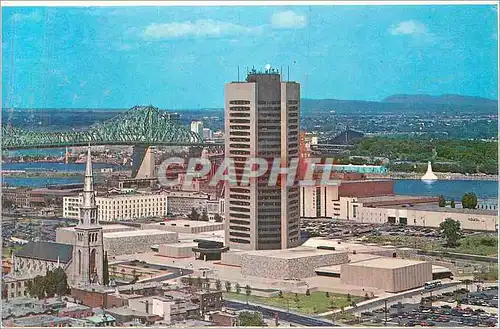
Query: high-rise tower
point(88, 246)
point(262, 121)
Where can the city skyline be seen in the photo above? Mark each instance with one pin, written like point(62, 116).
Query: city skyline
point(116, 57)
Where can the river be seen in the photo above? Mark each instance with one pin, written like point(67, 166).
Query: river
point(451, 189)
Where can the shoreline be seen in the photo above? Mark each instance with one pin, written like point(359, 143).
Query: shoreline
point(441, 176)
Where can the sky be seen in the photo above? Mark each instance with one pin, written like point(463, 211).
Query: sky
point(181, 57)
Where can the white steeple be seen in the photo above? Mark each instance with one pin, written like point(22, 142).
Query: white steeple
point(88, 210)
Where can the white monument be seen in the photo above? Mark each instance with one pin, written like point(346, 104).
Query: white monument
point(429, 175)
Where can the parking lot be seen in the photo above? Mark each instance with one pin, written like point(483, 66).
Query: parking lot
point(445, 315)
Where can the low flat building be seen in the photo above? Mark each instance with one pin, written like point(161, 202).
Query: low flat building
point(429, 215)
point(177, 250)
point(44, 320)
point(285, 264)
point(130, 242)
point(120, 206)
point(66, 235)
point(185, 226)
point(389, 274)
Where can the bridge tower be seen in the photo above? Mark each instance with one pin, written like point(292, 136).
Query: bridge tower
point(143, 162)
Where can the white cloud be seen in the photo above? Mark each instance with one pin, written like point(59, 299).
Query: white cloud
point(410, 27)
point(33, 17)
point(199, 29)
point(288, 19)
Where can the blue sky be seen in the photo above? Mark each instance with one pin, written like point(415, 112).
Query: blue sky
point(180, 57)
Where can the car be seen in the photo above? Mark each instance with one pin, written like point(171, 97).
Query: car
point(410, 324)
point(366, 314)
point(446, 307)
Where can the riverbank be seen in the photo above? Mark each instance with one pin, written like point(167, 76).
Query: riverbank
point(441, 176)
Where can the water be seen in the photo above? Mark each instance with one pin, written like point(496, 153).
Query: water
point(39, 181)
point(450, 189)
point(54, 166)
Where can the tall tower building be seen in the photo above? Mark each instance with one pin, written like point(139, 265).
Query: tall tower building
point(88, 246)
point(262, 121)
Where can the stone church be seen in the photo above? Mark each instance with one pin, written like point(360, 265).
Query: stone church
point(82, 261)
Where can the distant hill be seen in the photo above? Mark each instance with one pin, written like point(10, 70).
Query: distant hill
point(449, 99)
point(403, 103)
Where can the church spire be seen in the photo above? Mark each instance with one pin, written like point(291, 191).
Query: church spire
point(88, 211)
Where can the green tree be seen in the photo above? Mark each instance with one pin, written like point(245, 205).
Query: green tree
point(217, 218)
point(452, 203)
point(105, 269)
point(248, 291)
point(194, 215)
point(308, 292)
point(228, 286)
point(218, 285)
point(198, 283)
point(280, 294)
point(237, 288)
point(442, 201)
point(250, 319)
point(297, 300)
point(327, 294)
point(367, 296)
point(469, 200)
point(348, 297)
point(61, 287)
point(204, 216)
point(450, 229)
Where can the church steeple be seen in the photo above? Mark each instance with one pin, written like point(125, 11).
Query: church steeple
point(88, 248)
point(88, 210)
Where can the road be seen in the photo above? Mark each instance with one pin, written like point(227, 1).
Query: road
point(295, 318)
point(380, 302)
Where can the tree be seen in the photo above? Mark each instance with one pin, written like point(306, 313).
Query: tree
point(327, 294)
point(442, 201)
point(469, 200)
point(197, 282)
point(238, 288)
point(308, 293)
point(204, 216)
point(248, 291)
point(194, 215)
point(452, 203)
point(250, 319)
point(367, 296)
point(450, 229)
point(105, 269)
point(54, 282)
point(280, 294)
point(218, 285)
point(228, 286)
point(297, 300)
point(348, 297)
point(217, 218)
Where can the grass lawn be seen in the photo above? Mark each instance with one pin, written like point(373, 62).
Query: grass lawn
point(483, 245)
point(317, 302)
point(6, 250)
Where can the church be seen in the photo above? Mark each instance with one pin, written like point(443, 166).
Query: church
point(82, 261)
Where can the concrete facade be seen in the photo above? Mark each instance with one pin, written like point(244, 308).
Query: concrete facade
point(119, 243)
point(262, 121)
point(289, 264)
point(389, 274)
point(177, 250)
